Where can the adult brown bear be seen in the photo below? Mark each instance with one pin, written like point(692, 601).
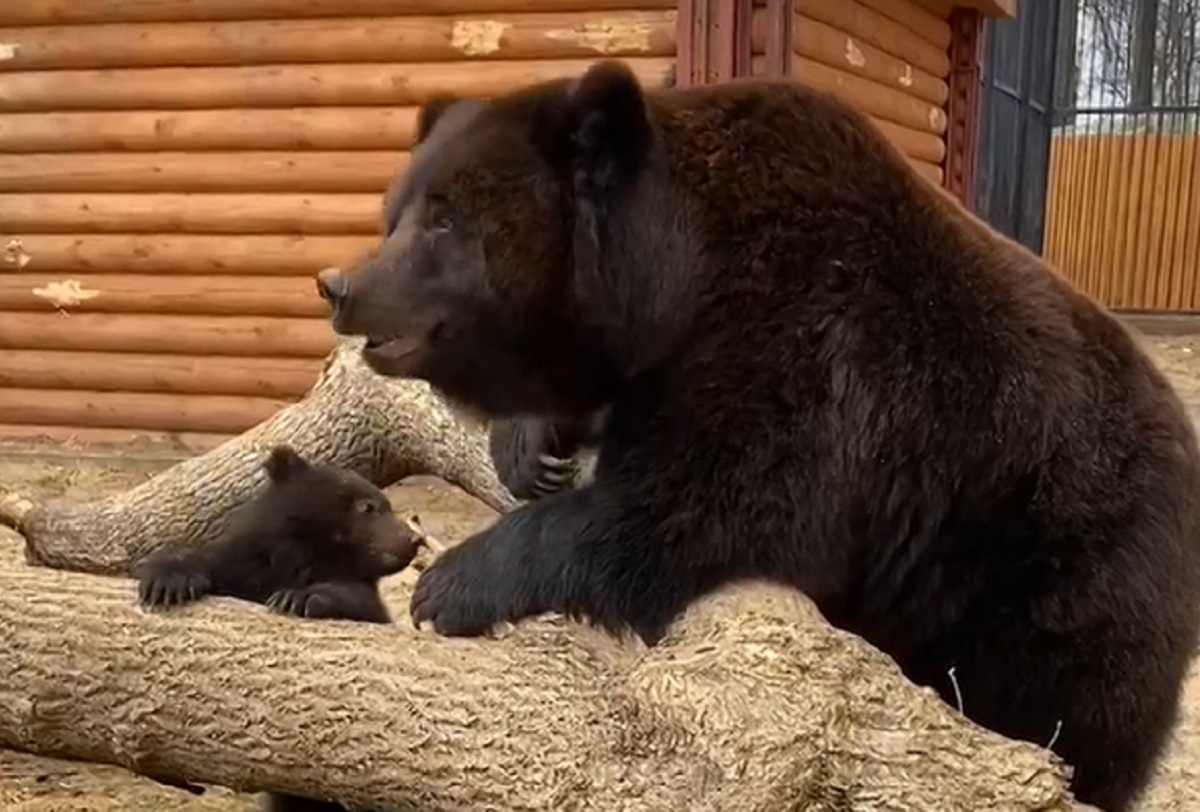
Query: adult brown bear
point(818, 370)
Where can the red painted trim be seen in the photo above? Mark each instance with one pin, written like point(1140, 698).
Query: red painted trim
point(962, 108)
point(713, 40)
point(781, 15)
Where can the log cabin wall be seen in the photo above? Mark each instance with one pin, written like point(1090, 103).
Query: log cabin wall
point(888, 58)
point(173, 173)
point(911, 65)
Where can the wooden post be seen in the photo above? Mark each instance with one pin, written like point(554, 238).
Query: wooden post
point(780, 16)
point(713, 41)
point(962, 108)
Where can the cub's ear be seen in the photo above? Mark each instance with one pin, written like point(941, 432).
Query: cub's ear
point(601, 129)
point(430, 112)
point(283, 463)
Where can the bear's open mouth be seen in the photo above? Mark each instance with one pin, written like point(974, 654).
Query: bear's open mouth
point(391, 347)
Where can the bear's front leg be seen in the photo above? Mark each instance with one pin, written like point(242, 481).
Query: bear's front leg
point(572, 552)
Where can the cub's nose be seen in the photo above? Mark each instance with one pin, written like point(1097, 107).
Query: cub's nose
point(333, 285)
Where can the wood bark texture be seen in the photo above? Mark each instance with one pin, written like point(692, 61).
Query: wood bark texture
point(384, 429)
point(751, 703)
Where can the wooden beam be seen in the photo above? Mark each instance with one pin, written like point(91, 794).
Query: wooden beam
point(713, 41)
point(779, 45)
point(962, 109)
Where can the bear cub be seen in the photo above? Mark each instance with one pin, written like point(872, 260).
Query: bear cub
point(314, 543)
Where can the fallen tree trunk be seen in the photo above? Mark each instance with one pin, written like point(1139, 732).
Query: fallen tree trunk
point(751, 703)
point(385, 429)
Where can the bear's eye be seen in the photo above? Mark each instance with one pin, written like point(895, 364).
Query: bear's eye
point(366, 506)
point(442, 225)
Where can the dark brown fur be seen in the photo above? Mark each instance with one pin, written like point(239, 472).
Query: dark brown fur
point(822, 372)
point(314, 543)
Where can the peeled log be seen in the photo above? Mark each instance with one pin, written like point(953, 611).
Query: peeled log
point(384, 429)
point(751, 703)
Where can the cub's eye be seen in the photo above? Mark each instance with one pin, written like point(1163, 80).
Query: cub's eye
point(442, 225)
point(366, 506)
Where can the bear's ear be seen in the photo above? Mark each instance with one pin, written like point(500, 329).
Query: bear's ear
point(430, 112)
point(603, 129)
point(283, 463)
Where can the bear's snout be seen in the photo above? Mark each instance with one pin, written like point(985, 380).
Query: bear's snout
point(333, 286)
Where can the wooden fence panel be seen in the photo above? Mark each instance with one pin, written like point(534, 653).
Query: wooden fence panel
point(1121, 219)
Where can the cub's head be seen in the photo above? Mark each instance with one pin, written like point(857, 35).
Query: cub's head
point(343, 525)
point(494, 279)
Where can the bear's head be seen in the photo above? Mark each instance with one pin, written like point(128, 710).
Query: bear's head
point(525, 249)
point(336, 523)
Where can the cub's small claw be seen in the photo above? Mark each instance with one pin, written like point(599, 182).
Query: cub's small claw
point(172, 587)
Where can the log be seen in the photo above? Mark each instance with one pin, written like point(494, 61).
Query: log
point(751, 703)
point(361, 171)
point(318, 128)
point(925, 148)
point(192, 213)
point(226, 414)
point(918, 145)
point(283, 296)
point(823, 43)
point(379, 84)
point(385, 429)
point(875, 29)
point(939, 8)
point(58, 12)
point(344, 39)
point(258, 336)
point(878, 100)
point(931, 27)
point(279, 378)
point(184, 254)
point(929, 171)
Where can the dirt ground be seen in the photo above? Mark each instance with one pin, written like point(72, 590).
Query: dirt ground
point(31, 784)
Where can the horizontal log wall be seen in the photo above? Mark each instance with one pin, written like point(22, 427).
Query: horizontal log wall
point(888, 58)
point(173, 173)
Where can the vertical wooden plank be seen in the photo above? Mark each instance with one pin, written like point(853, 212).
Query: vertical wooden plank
point(1090, 242)
point(691, 42)
point(962, 108)
point(1189, 214)
point(713, 41)
point(781, 15)
point(1123, 154)
point(1154, 285)
point(1172, 261)
point(1104, 207)
point(1141, 202)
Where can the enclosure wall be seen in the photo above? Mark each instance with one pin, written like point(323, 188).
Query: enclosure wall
point(888, 58)
point(173, 173)
point(1123, 217)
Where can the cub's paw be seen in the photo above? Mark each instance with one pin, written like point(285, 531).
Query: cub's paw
point(172, 585)
point(315, 601)
point(465, 594)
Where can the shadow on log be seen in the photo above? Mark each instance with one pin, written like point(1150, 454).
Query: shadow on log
point(384, 429)
point(751, 703)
